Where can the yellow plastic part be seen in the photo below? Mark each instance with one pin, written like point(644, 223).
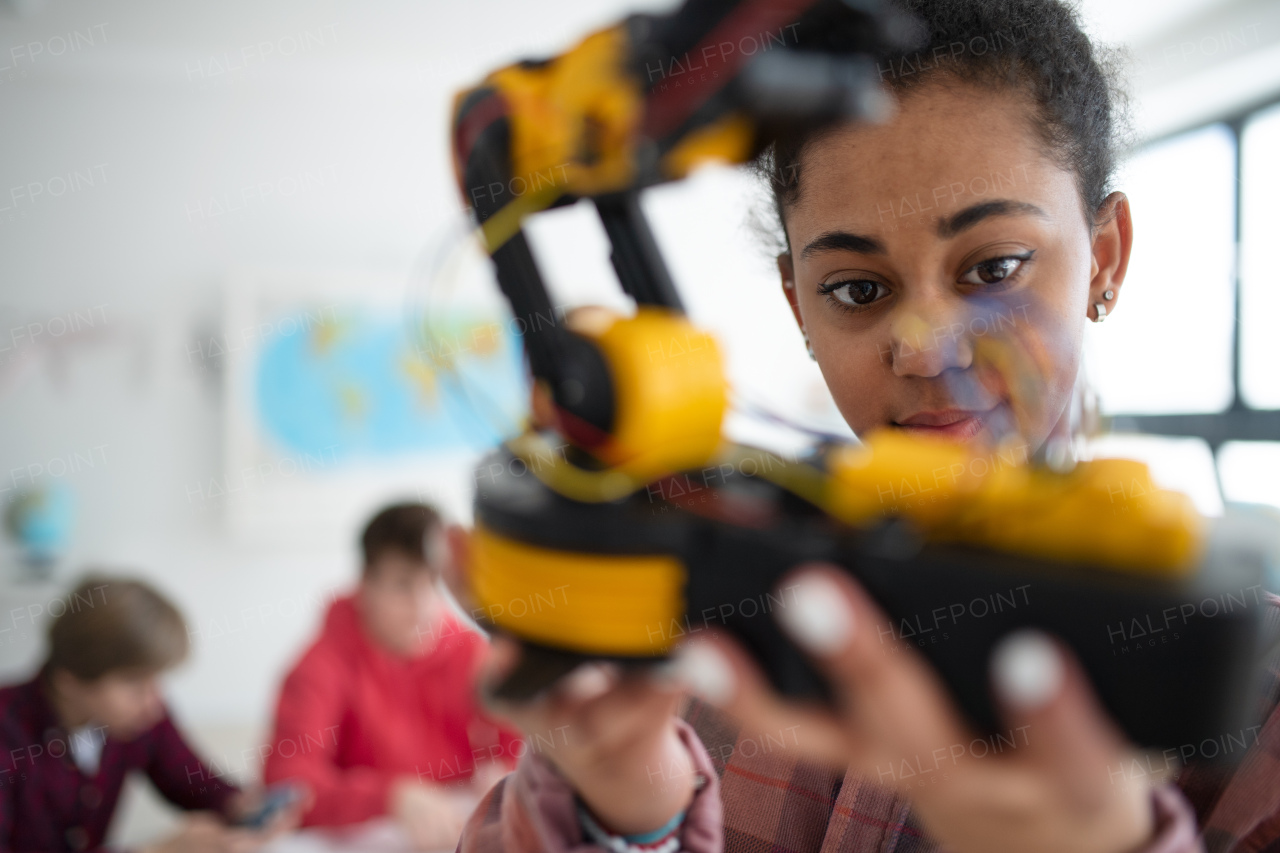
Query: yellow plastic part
point(549, 464)
point(503, 225)
point(895, 473)
point(669, 391)
point(1106, 512)
point(591, 603)
point(573, 119)
point(728, 140)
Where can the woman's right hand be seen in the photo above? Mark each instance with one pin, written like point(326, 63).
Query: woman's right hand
point(611, 734)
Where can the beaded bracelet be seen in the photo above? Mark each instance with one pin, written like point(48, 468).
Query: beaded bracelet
point(665, 839)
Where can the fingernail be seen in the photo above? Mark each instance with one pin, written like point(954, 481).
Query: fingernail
point(817, 617)
point(705, 671)
point(588, 681)
point(1026, 669)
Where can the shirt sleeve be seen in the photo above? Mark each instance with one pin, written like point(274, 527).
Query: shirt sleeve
point(181, 776)
point(311, 701)
point(532, 811)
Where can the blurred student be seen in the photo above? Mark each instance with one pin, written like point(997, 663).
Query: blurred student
point(93, 713)
point(384, 699)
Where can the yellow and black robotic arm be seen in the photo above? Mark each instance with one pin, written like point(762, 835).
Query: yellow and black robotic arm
point(635, 105)
point(653, 526)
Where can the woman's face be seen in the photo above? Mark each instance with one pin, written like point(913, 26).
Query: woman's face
point(914, 240)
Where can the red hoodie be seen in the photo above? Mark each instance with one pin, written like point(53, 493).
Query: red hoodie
point(352, 717)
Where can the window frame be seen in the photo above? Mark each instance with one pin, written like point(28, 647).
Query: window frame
point(1239, 421)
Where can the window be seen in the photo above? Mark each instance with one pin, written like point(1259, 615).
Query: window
point(1197, 332)
point(1259, 266)
point(1178, 305)
point(1250, 471)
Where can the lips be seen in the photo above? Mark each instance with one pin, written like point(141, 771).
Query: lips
point(954, 424)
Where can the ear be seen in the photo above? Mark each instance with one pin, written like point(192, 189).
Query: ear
point(1112, 244)
point(788, 274)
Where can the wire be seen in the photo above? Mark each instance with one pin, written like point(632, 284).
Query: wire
point(755, 410)
point(433, 281)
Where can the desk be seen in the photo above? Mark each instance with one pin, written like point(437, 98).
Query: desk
point(380, 835)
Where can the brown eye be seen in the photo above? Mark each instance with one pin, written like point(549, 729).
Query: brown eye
point(855, 292)
point(993, 271)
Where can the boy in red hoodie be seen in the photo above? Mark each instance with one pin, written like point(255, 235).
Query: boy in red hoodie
point(379, 716)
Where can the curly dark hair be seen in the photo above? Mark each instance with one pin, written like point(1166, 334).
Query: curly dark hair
point(1036, 46)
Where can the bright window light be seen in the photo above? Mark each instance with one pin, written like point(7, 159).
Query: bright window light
point(1181, 464)
point(1250, 471)
point(1168, 346)
point(1260, 275)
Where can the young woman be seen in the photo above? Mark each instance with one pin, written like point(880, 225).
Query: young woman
point(987, 191)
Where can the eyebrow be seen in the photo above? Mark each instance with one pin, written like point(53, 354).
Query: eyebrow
point(845, 241)
point(842, 241)
point(975, 213)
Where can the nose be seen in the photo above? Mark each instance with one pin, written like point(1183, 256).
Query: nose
point(929, 336)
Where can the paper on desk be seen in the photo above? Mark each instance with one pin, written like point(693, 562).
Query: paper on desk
point(380, 835)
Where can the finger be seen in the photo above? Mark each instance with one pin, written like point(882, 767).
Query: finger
point(579, 687)
point(1047, 700)
point(609, 709)
point(595, 704)
point(588, 681)
point(894, 705)
point(241, 841)
point(242, 802)
point(284, 820)
point(500, 660)
point(592, 681)
point(502, 657)
point(719, 671)
point(300, 809)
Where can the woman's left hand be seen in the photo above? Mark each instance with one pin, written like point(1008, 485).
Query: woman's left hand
point(1055, 791)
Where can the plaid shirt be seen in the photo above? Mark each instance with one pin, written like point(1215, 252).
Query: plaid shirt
point(768, 801)
point(47, 804)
